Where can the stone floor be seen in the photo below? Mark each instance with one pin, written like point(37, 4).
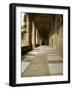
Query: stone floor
point(41, 61)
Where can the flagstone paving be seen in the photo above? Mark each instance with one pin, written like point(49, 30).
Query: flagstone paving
point(41, 61)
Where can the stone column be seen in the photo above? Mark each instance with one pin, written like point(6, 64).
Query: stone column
point(33, 34)
point(30, 31)
point(36, 36)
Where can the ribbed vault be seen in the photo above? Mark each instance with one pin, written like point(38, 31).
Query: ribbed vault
point(43, 23)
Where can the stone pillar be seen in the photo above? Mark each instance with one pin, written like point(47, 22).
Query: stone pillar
point(36, 36)
point(30, 31)
point(33, 35)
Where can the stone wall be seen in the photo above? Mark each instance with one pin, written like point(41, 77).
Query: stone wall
point(56, 36)
point(25, 33)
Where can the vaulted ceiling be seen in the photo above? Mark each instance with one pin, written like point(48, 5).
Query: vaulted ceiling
point(43, 23)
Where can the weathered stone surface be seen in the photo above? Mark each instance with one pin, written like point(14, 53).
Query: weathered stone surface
point(42, 63)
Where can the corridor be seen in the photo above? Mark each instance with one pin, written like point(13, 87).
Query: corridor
point(41, 44)
point(42, 61)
